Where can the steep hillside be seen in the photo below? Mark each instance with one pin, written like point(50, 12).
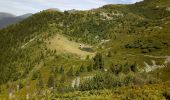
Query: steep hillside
point(55, 54)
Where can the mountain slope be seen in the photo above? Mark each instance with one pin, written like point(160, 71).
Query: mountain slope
point(5, 15)
point(43, 51)
point(9, 19)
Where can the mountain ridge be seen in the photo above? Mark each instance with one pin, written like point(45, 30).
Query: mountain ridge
point(7, 19)
point(5, 15)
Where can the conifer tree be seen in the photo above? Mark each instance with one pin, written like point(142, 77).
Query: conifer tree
point(77, 73)
point(70, 72)
point(98, 62)
point(61, 70)
point(51, 82)
point(82, 68)
point(40, 83)
point(89, 68)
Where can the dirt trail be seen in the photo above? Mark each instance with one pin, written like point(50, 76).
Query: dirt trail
point(23, 46)
point(63, 45)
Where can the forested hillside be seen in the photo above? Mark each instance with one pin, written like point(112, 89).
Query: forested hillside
point(92, 54)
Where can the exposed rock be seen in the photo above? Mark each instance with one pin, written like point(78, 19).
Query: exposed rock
point(149, 68)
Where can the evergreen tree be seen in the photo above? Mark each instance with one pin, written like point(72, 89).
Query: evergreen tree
point(98, 62)
point(62, 79)
point(61, 70)
point(51, 81)
point(70, 72)
point(82, 68)
point(101, 62)
point(77, 73)
point(133, 67)
point(89, 68)
point(109, 54)
point(55, 71)
point(40, 83)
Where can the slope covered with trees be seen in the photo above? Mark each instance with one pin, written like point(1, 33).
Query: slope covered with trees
point(127, 40)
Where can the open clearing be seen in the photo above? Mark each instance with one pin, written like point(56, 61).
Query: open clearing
point(62, 45)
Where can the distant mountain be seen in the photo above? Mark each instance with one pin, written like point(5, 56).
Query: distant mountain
point(7, 19)
point(54, 9)
point(72, 11)
point(6, 15)
point(25, 15)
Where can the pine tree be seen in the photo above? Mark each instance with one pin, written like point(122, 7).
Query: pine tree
point(134, 67)
point(61, 70)
point(109, 54)
point(82, 68)
point(98, 62)
point(62, 79)
point(89, 68)
point(77, 73)
point(51, 81)
point(40, 83)
point(70, 72)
